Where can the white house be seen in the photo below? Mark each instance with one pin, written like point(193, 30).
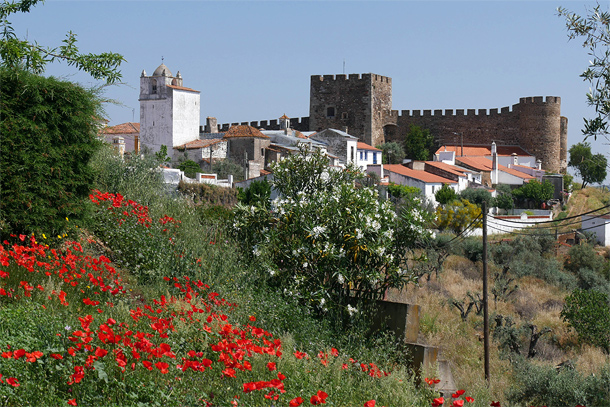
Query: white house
point(599, 225)
point(427, 182)
point(367, 155)
point(339, 144)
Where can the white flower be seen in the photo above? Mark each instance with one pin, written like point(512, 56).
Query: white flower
point(305, 265)
point(322, 301)
point(340, 279)
point(317, 231)
point(256, 251)
point(351, 310)
point(271, 272)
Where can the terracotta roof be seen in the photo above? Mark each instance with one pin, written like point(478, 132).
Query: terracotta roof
point(244, 131)
point(299, 134)
point(485, 164)
point(484, 150)
point(265, 172)
point(364, 146)
point(182, 88)
point(191, 145)
point(447, 167)
point(123, 128)
point(284, 116)
point(419, 175)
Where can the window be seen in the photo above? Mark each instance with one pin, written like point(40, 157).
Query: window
point(366, 155)
point(374, 158)
point(352, 153)
point(361, 155)
point(344, 115)
point(154, 86)
point(330, 112)
point(263, 152)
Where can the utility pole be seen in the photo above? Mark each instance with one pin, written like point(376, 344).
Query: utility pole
point(485, 297)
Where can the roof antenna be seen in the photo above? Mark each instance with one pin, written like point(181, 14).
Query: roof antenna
point(162, 59)
point(343, 66)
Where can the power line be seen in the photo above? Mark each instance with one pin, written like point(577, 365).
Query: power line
point(551, 221)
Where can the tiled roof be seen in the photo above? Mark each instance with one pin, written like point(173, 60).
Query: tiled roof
point(182, 88)
point(123, 128)
point(483, 150)
point(364, 146)
point(244, 131)
point(419, 175)
point(299, 134)
point(191, 145)
point(265, 172)
point(284, 116)
point(447, 167)
point(485, 164)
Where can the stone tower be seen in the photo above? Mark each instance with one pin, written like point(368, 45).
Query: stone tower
point(357, 102)
point(169, 112)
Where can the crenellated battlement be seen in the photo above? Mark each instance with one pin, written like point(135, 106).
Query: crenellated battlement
point(452, 113)
point(297, 123)
point(353, 77)
point(540, 100)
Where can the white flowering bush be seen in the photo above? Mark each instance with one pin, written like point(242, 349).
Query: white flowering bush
point(327, 239)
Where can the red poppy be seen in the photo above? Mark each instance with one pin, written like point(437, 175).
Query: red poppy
point(13, 382)
point(334, 352)
point(162, 366)
point(370, 403)
point(318, 398)
point(56, 356)
point(495, 404)
point(72, 402)
point(458, 394)
point(295, 402)
point(469, 399)
point(458, 403)
point(439, 401)
point(252, 318)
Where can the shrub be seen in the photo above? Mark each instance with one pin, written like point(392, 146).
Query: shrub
point(48, 132)
point(457, 216)
point(588, 312)
point(206, 194)
point(257, 191)
point(477, 196)
point(190, 168)
point(535, 191)
point(445, 195)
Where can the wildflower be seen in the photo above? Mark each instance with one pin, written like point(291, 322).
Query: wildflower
point(295, 402)
point(73, 401)
point(351, 310)
point(370, 403)
point(318, 398)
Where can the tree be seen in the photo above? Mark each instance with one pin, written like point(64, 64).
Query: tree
point(392, 153)
point(595, 29)
point(504, 198)
point(256, 192)
point(419, 144)
point(49, 131)
point(226, 167)
point(445, 195)
point(328, 240)
point(22, 54)
point(458, 215)
point(477, 196)
point(588, 312)
point(190, 168)
point(536, 191)
point(592, 168)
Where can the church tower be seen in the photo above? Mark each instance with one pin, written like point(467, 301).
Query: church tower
point(169, 112)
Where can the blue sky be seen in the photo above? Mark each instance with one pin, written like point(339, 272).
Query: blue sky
point(253, 60)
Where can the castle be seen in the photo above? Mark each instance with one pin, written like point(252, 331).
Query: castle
point(361, 104)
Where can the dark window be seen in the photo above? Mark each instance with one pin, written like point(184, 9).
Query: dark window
point(154, 86)
point(344, 115)
point(330, 112)
point(374, 158)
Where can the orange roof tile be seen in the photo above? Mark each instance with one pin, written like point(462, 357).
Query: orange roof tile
point(191, 145)
point(244, 131)
point(265, 172)
point(364, 146)
point(419, 175)
point(481, 150)
point(284, 116)
point(447, 167)
point(182, 88)
point(485, 164)
point(515, 172)
point(123, 128)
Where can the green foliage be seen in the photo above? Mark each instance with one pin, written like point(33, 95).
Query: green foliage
point(536, 191)
point(595, 28)
point(588, 267)
point(588, 312)
point(477, 196)
point(227, 167)
point(327, 242)
point(538, 385)
point(190, 168)
point(457, 215)
point(48, 132)
point(257, 192)
point(533, 256)
point(445, 195)
point(22, 54)
point(419, 144)
point(504, 198)
point(392, 153)
point(206, 194)
point(161, 155)
point(403, 191)
point(568, 182)
point(591, 167)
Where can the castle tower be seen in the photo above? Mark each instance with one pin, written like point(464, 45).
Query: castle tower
point(169, 112)
point(540, 129)
point(358, 102)
point(284, 122)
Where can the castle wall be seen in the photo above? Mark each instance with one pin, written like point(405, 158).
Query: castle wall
point(185, 117)
point(540, 129)
point(297, 123)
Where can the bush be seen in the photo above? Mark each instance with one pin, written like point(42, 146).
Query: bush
point(206, 194)
point(48, 130)
point(190, 168)
point(536, 191)
point(588, 312)
point(445, 195)
point(458, 215)
point(257, 192)
point(477, 196)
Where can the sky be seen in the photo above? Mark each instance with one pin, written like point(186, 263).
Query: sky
point(252, 60)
